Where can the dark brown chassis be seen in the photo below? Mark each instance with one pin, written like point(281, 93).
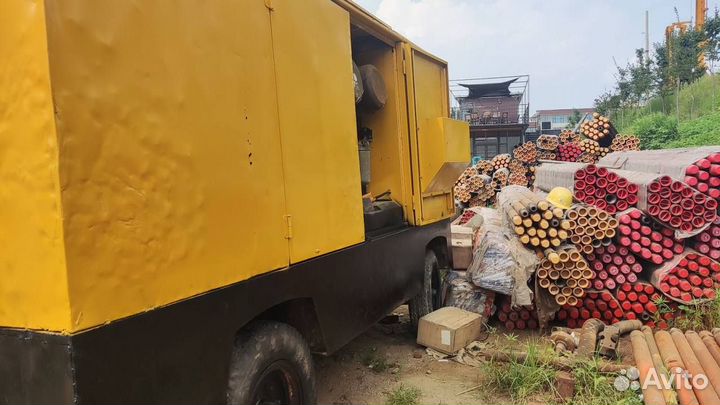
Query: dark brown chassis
point(181, 353)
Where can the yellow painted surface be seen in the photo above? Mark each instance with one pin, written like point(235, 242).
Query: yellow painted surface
point(33, 286)
point(317, 126)
point(444, 153)
point(388, 126)
point(441, 145)
point(170, 158)
point(431, 103)
point(186, 137)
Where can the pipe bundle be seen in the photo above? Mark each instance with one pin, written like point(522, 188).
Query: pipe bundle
point(473, 185)
point(546, 154)
point(708, 241)
point(500, 161)
point(677, 205)
point(484, 167)
point(647, 239)
point(590, 227)
point(536, 223)
point(605, 189)
point(565, 275)
point(477, 185)
point(517, 318)
point(613, 265)
point(526, 153)
point(518, 173)
point(500, 178)
point(600, 305)
point(568, 136)
point(548, 142)
point(694, 277)
point(569, 152)
point(704, 175)
point(638, 301)
point(599, 129)
point(625, 143)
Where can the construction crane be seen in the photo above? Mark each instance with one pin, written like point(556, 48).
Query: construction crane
point(683, 26)
point(700, 13)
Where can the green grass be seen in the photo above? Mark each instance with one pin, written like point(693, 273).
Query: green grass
point(699, 132)
point(522, 380)
point(403, 395)
point(696, 100)
point(534, 381)
point(703, 316)
point(594, 388)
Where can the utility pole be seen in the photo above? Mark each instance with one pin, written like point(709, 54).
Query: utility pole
point(647, 35)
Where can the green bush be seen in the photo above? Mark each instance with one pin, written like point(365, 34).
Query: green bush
point(655, 131)
point(703, 131)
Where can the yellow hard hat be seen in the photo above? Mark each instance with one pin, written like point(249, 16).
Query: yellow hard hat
point(560, 197)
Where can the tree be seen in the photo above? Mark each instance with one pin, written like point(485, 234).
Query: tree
point(574, 119)
point(640, 78)
point(607, 102)
point(685, 51)
point(712, 39)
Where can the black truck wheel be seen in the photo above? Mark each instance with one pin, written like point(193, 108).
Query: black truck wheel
point(271, 364)
point(429, 297)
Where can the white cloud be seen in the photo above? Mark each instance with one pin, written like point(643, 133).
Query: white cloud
point(566, 46)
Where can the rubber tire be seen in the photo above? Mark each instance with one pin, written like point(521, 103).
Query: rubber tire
point(261, 344)
point(424, 302)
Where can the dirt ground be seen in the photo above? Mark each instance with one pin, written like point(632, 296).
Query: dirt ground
point(346, 378)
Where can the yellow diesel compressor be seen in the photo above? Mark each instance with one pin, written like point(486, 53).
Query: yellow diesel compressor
point(180, 181)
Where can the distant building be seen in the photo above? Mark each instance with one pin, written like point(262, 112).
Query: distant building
point(552, 121)
point(497, 112)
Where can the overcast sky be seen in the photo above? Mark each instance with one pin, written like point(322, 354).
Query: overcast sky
point(566, 46)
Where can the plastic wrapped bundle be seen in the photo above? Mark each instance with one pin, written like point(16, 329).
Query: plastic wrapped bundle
point(464, 295)
point(500, 262)
point(493, 264)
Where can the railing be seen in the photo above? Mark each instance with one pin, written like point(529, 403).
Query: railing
point(511, 109)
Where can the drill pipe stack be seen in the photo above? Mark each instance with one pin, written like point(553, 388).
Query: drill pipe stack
point(569, 152)
point(517, 318)
point(590, 227)
point(565, 275)
point(501, 161)
point(694, 277)
point(647, 239)
point(535, 221)
point(526, 153)
point(600, 305)
point(704, 175)
point(707, 242)
point(605, 189)
point(548, 142)
point(677, 205)
point(568, 136)
point(625, 143)
point(599, 129)
point(613, 266)
point(638, 301)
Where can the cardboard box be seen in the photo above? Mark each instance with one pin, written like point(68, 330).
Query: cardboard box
point(461, 240)
point(449, 329)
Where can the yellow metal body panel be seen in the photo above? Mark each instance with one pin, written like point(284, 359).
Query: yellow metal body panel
point(317, 126)
point(191, 146)
point(389, 127)
point(33, 284)
point(170, 158)
point(436, 140)
point(444, 153)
